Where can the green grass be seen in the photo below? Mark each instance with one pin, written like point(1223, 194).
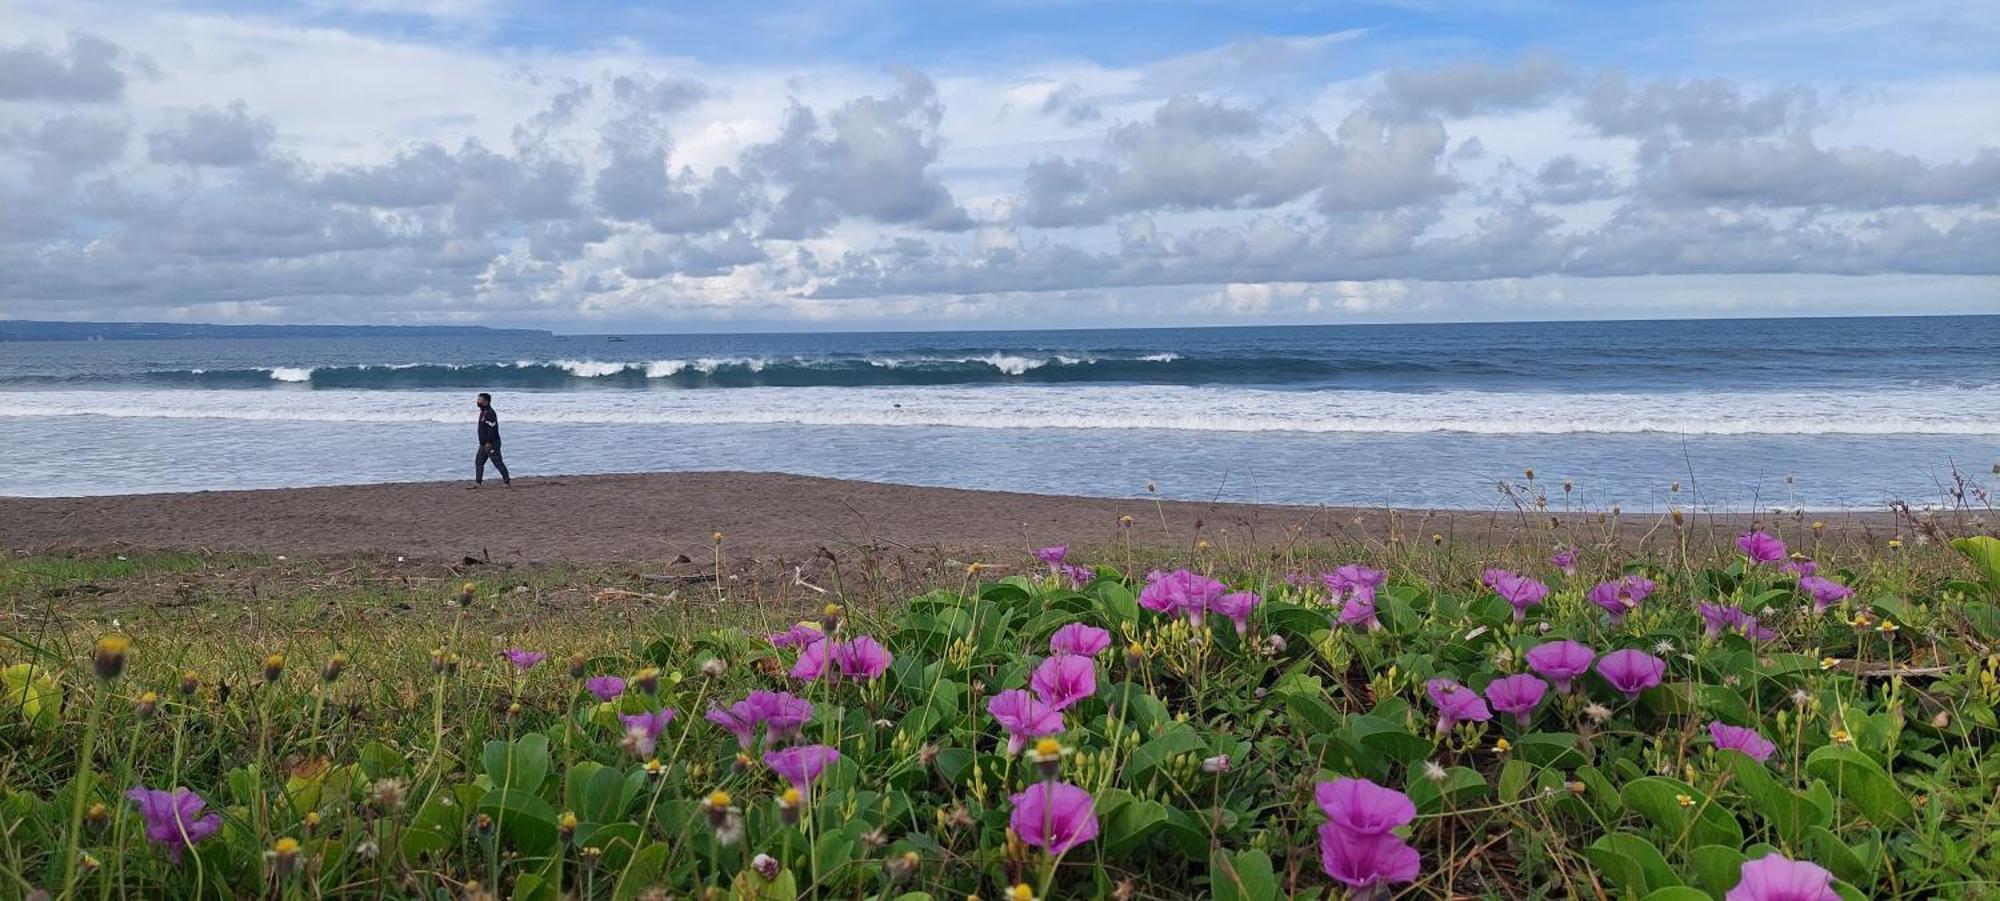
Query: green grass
point(399, 780)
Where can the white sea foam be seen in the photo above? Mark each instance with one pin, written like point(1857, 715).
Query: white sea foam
point(292, 374)
point(1124, 407)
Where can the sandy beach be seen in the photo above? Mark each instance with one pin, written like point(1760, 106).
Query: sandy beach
point(652, 517)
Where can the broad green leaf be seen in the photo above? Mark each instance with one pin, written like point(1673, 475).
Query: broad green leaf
point(30, 694)
point(1461, 787)
point(1550, 749)
point(1683, 813)
point(1513, 780)
point(526, 821)
point(642, 873)
point(1856, 777)
point(1242, 876)
point(1677, 893)
point(1717, 867)
point(1828, 851)
point(1130, 821)
point(1984, 552)
point(519, 764)
point(1389, 738)
point(1631, 862)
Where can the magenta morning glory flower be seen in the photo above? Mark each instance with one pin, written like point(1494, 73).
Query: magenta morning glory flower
point(737, 721)
point(1621, 596)
point(863, 658)
point(801, 764)
point(798, 636)
point(1077, 574)
point(1565, 560)
point(1824, 592)
point(812, 660)
point(1775, 877)
point(1517, 695)
point(1237, 606)
point(1456, 704)
point(606, 688)
point(1053, 555)
point(1063, 680)
point(1799, 566)
point(1359, 610)
point(643, 729)
point(1561, 662)
point(1361, 807)
point(1761, 547)
point(1180, 593)
point(1054, 816)
point(1717, 619)
point(1353, 577)
point(1631, 671)
point(1365, 863)
point(523, 660)
point(782, 714)
point(1079, 639)
point(1024, 717)
point(1515, 589)
point(174, 818)
point(1736, 738)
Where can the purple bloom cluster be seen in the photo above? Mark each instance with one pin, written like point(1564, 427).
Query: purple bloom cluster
point(1736, 738)
point(1561, 662)
point(1079, 639)
point(1181, 593)
point(643, 729)
point(1456, 704)
point(1054, 816)
point(1621, 596)
point(1354, 587)
point(801, 764)
point(1717, 619)
point(1517, 695)
point(862, 658)
point(1565, 560)
point(1775, 877)
point(1356, 845)
point(174, 818)
point(779, 713)
point(1024, 716)
point(1824, 592)
point(1630, 671)
point(1761, 547)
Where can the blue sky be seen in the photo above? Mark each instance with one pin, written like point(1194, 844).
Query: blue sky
point(860, 164)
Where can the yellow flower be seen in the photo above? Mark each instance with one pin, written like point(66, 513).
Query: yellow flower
point(285, 846)
point(717, 798)
point(790, 798)
point(1828, 662)
point(1502, 746)
point(1886, 626)
point(1684, 800)
point(1895, 543)
point(110, 657)
point(1021, 893)
point(1840, 737)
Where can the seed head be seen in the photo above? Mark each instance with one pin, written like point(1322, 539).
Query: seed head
point(190, 683)
point(1434, 772)
point(765, 865)
point(648, 680)
point(334, 664)
point(713, 667)
point(284, 856)
point(149, 703)
point(97, 815)
point(109, 656)
point(274, 667)
point(579, 666)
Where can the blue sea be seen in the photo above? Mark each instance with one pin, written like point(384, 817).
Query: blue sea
point(1724, 415)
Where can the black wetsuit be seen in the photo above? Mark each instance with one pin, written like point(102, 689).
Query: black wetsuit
point(489, 447)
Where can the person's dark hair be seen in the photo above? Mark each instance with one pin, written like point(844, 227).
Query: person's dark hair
point(484, 396)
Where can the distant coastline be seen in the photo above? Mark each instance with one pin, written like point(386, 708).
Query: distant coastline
point(48, 330)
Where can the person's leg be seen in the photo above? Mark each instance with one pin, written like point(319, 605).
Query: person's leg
point(501, 465)
point(479, 467)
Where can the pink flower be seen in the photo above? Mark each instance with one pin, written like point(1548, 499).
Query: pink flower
point(1365, 863)
point(801, 764)
point(174, 818)
point(1077, 574)
point(1736, 738)
point(1799, 566)
point(1517, 695)
point(606, 688)
point(1718, 619)
point(643, 729)
point(1360, 610)
point(1561, 662)
point(1631, 671)
point(1565, 560)
point(1621, 596)
point(1237, 606)
point(1053, 555)
point(1063, 680)
point(1362, 807)
point(778, 712)
point(1353, 577)
point(1180, 593)
point(1079, 639)
point(863, 658)
point(1024, 717)
point(1456, 704)
point(1054, 816)
point(737, 721)
point(812, 660)
point(798, 636)
point(523, 660)
point(1761, 547)
point(1515, 589)
point(1824, 592)
point(1775, 877)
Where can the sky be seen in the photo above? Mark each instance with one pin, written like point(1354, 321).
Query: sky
point(859, 164)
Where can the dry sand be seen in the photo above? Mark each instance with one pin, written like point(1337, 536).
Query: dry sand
point(656, 517)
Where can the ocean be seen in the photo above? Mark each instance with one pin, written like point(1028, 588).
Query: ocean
point(1722, 415)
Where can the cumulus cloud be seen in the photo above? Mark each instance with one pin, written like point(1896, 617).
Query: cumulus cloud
point(1795, 172)
point(212, 137)
point(870, 160)
point(1697, 109)
point(1468, 88)
point(84, 72)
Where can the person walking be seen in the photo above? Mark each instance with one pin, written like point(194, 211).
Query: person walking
point(489, 444)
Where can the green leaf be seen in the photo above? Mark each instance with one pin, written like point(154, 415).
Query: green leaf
point(1389, 739)
point(1718, 868)
point(1858, 778)
point(1130, 821)
point(1701, 821)
point(1786, 810)
point(1243, 876)
point(1830, 852)
point(32, 695)
point(528, 822)
point(1461, 786)
point(1676, 893)
point(642, 873)
point(1984, 552)
point(1513, 780)
point(1178, 739)
point(437, 827)
point(519, 764)
point(1631, 862)
point(1118, 604)
point(379, 761)
point(1550, 749)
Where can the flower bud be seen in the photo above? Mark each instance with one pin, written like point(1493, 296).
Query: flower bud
point(648, 680)
point(579, 666)
point(829, 619)
point(274, 667)
point(566, 827)
point(590, 857)
point(311, 822)
point(334, 664)
point(1047, 757)
point(97, 816)
point(788, 806)
point(149, 704)
point(1215, 765)
point(765, 865)
point(716, 805)
point(109, 657)
point(190, 683)
point(467, 593)
point(284, 856)
point(901, 867)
